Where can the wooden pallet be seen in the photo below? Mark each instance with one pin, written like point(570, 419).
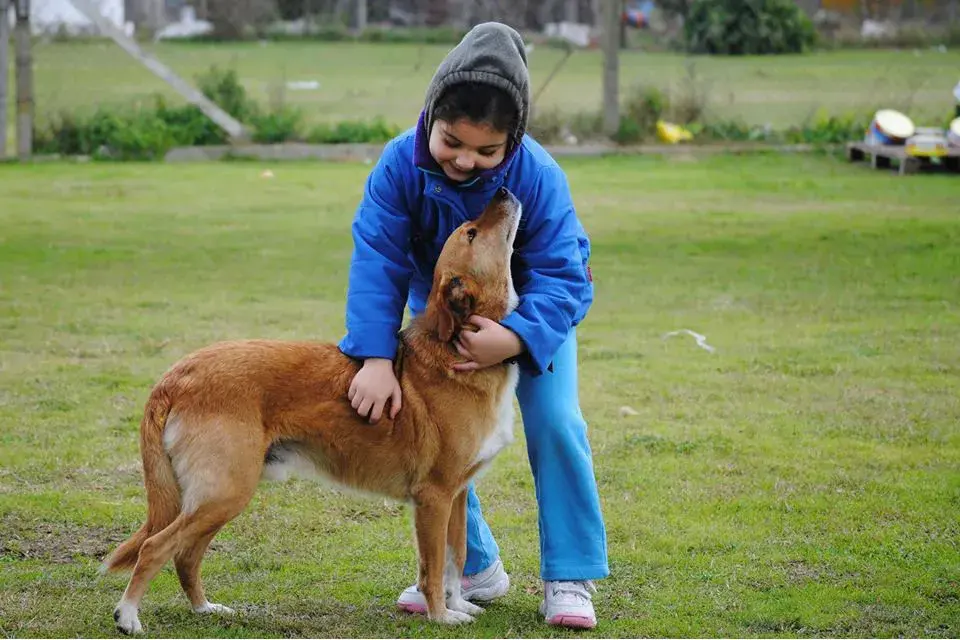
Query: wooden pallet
point(884, 157)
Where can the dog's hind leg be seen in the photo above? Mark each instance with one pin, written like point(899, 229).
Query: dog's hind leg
point(154, 553)
point(457, 557)
point(188, 562)
point(187, 538)
point(214, 492)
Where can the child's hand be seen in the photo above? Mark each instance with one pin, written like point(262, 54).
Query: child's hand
point(373, 385)
point(491, 344)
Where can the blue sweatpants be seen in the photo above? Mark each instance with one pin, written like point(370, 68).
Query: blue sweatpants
point(573, 541)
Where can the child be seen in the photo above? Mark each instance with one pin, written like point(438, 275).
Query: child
point(470, 140)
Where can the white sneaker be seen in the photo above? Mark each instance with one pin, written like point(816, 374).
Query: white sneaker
point(488, 585)
point(569, 604)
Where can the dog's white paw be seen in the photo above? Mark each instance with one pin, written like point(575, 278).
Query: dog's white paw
point(210, 607)
point(463, 606)
point(454, 617)
point(127, 620)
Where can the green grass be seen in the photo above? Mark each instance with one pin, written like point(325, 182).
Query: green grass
point(367, 80)
point(800, 481)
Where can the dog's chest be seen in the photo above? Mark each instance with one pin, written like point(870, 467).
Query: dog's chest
point(502, 433)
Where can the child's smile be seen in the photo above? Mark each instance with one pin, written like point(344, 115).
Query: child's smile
point(464, 148)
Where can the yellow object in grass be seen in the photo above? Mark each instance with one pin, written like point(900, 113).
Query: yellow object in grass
point(672, 133)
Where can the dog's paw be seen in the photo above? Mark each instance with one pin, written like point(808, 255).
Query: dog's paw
point(463, 606)
point(454, 617)
point(127, 620)
point(210, 607)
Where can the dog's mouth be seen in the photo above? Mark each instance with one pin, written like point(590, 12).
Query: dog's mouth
point(514, 211)
point(514, 227)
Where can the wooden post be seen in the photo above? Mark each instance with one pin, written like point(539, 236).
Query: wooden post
point(4, 65)
point(24, 61)
point(611, 65)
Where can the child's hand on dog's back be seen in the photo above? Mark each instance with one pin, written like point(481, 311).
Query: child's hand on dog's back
point(373, 385)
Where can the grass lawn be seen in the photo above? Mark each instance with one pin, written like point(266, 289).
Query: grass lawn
point(802, 480)
point(366, 80)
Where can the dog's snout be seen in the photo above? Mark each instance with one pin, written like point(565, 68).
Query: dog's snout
point(504, 194)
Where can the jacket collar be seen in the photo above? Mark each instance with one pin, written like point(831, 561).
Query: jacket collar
point(425, 162)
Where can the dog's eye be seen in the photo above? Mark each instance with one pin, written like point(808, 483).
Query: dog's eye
point(471, 234)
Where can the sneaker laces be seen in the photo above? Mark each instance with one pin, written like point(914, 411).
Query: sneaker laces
point(577, 591)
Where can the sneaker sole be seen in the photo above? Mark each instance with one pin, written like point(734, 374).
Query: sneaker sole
point(572, 622)
point(409, 607)
point(477, 595)
point(485, 596)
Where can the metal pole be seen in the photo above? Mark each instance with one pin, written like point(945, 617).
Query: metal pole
point(24, 81)
point(4, 65)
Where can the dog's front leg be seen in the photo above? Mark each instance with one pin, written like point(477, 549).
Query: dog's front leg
point(457, 557)
point(431, 516)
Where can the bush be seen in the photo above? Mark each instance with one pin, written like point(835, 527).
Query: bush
point(733, 131)
point(629, 132)
point(189, 126)
point(747, 27)
point(277, 126)
point(125, 135)
point(820, 131)
point(225, 89)
point(827, 129)
point(149, 132)
point(643, 107)
point(355, 131)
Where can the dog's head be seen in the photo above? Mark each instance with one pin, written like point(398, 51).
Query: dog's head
point(472, 275)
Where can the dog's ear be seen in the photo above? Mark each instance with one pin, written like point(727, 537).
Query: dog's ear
point(455, 304)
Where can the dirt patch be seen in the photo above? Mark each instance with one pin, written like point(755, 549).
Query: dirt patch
point(57, 542)
point(800, 571)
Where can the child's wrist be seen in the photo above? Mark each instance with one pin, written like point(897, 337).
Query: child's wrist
point(518, 346)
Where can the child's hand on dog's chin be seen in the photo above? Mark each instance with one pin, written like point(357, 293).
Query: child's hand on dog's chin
point(372, 387)
point(492, 343)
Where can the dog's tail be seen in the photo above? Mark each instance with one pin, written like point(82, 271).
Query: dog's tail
point(163, 491)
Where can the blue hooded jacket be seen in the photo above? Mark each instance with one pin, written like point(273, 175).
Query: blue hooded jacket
point(409, 209)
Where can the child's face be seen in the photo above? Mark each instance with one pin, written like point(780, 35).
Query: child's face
point(464, 148)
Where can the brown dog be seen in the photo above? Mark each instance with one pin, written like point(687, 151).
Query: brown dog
point(232, 413)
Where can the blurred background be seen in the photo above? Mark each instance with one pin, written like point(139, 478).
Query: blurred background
point(356, 70)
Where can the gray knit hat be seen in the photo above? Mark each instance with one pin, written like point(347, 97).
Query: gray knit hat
point(490, 53)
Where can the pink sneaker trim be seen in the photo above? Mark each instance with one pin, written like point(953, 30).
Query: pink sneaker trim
point(411, 607)
point(573, 622)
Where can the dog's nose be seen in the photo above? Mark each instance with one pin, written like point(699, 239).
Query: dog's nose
point(504, 194)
